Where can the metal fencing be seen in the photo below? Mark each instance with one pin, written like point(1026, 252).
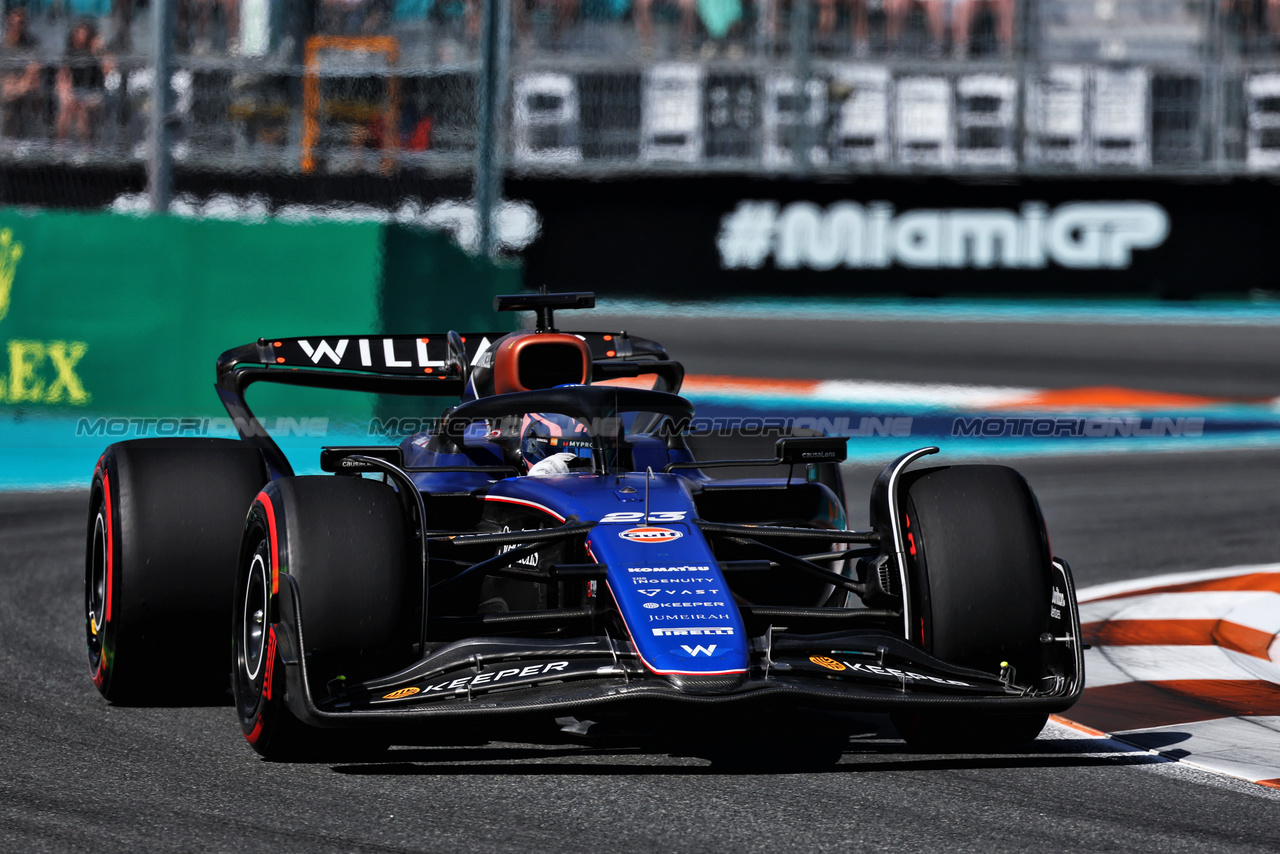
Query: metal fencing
point(609, 87)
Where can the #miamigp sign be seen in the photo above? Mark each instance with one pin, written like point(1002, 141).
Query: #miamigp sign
point(1081, 235)
point(713, 237)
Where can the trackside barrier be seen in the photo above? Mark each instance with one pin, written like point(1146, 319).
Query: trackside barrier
point(108, 316)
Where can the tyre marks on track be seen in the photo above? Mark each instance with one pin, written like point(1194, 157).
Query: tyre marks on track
point(1188, 666)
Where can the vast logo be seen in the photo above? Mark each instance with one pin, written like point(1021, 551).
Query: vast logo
point(650, 535)
point(39, 371)
point(1081, 235)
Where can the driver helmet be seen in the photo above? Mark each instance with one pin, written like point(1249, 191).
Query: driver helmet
point(554, 437)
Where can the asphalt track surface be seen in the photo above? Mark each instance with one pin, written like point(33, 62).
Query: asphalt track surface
point(81, 775)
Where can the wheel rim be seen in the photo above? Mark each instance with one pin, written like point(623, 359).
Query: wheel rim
point(96, 588)
point(254, 618)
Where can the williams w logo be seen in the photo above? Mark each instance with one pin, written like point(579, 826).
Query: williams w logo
point(695, 651)
point(38, 371)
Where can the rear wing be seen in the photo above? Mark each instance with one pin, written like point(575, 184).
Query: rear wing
point(424, 365)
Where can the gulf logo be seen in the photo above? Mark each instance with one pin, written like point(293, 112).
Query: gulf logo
point(650, 535)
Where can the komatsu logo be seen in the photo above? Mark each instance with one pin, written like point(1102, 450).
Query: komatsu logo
point(1080, 235)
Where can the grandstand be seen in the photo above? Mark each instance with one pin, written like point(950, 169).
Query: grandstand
point(623, 87)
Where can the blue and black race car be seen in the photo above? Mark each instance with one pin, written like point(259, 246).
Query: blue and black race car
point(561, 545)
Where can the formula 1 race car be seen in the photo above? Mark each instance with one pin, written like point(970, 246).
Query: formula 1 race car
point(560, 545)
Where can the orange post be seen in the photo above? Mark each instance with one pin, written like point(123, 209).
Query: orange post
point(389, 47)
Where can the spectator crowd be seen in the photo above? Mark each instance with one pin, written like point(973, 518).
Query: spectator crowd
point(66, 94)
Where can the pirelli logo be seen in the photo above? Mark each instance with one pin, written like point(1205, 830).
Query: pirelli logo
point(721, 630)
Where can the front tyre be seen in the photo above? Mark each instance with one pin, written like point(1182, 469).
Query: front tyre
point(343, 542)
point(979, 567)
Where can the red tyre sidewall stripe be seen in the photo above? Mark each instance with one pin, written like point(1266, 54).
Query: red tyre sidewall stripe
point(268, 674)
point(270, 664)
point(100, 672)
point(106, 502)
point(270, 509)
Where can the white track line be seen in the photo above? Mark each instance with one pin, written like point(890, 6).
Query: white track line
point(1115, 588)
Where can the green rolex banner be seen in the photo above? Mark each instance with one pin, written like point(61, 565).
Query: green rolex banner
point(107, 316)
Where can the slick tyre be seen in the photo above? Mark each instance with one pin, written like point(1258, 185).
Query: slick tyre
point(163, 534)
point(979, 566)
point(341, 545)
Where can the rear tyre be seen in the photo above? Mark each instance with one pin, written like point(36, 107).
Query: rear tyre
point(164, 525)
point(343, 542)
point(979, 566)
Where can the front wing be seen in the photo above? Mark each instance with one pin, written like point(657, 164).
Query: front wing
point(862, 670)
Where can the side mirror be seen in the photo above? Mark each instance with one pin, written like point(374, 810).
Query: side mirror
point(794, 450)
point(339, 459)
